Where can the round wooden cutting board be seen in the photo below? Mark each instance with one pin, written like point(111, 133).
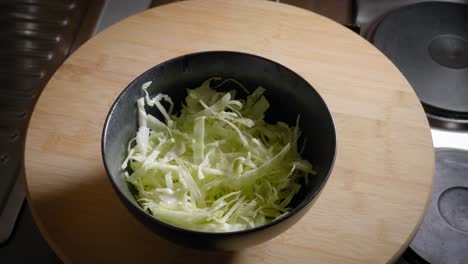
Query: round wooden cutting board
point(371, 206)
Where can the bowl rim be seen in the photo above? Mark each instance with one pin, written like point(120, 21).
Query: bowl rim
point(175, 228)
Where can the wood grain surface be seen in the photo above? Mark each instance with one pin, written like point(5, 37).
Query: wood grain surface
point(367, 213)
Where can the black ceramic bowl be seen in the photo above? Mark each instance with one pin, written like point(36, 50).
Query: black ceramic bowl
point(288, 94)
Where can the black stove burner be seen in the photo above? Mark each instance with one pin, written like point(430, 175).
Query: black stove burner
point(449, 51)
point(428, 42)
point(443, 235)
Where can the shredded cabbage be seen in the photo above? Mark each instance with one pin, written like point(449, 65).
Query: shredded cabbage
point(217, 166)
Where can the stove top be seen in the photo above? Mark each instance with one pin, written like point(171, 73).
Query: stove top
point(443, 235)
point(428, 42)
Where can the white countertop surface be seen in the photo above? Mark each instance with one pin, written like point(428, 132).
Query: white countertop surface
point(449, 139)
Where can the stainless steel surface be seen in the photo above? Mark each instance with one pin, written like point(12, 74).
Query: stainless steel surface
point(35, 36)
point(338, 10)
point(116, 10)
point(368, 12)
point(11, 209)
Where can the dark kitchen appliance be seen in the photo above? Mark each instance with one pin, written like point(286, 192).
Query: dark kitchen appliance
point(428, 42)
point(36, 36)
point(431, 50)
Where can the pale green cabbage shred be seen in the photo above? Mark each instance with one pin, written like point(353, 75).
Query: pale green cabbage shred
point(217, 166)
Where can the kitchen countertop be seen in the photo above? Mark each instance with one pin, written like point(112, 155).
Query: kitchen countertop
point(368, 211)
point(450, 139)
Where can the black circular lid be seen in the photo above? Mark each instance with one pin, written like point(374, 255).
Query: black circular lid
point(428, 42)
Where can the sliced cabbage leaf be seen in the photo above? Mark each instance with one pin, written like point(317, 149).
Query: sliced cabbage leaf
point(217, 166)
